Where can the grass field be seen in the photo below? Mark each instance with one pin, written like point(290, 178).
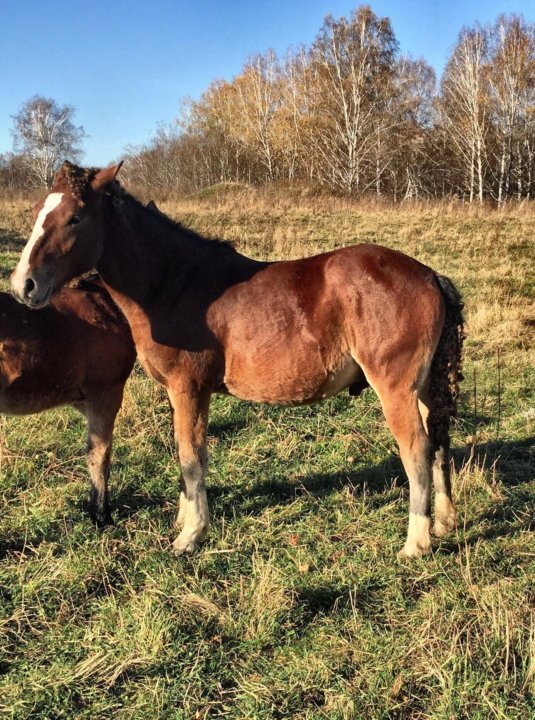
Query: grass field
point(296, 606)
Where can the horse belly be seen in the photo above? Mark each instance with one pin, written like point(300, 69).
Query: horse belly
point(27, 400)
point(31, 383)
point(290, 380)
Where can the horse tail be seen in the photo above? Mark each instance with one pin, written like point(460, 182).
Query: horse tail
point(446, 374)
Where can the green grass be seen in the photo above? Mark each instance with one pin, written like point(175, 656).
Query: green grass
point(296, 606)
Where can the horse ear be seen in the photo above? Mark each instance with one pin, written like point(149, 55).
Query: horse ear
point(104, 177)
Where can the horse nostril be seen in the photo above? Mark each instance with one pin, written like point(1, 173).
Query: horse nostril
point(29, 287)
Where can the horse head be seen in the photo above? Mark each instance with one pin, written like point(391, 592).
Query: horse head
point(67, 237)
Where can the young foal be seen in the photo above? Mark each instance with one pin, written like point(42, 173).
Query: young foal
point(78, 351)
point(206, 319)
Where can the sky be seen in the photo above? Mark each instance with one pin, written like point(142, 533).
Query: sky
point(125, 66)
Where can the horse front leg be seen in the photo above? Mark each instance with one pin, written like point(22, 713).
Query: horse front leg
point(190, 420)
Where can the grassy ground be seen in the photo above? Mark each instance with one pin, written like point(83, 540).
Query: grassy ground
point(296, 606)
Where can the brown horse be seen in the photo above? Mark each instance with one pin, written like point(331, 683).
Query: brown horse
point(78, 351)
point(207, 319)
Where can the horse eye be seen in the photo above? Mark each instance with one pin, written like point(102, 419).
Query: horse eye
point(74, 220)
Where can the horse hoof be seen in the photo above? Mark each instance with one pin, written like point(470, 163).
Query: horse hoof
point(184, 546)
point(413, 550)
point(444, 526)
point(102, 519)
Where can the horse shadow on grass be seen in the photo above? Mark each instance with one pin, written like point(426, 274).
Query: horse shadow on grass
point(11, 240)
point(225, 428)
point(5, 272)
point(510, 514)
point(226, 501)
point(513, 463)
point(20, 542)
point(253, 499)
point(512, 511)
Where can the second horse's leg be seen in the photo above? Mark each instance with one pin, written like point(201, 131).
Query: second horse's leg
point(100, 411)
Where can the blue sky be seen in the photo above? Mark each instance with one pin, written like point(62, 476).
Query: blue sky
point(125, 65)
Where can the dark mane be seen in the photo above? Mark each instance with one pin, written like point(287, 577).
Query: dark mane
point(78, 179)
point(86, 281)
point(120, 195)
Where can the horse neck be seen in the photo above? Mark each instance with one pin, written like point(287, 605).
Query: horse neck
point(147, 259)
point(138, 248)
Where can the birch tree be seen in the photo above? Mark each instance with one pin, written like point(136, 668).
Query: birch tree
point(352, 61)
point(45, 133)
point(465, 107)
point(512, 97)
point(413, 115)
point(256, 102)
point(293, 116)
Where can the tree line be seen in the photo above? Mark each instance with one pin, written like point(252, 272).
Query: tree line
point(352, 115)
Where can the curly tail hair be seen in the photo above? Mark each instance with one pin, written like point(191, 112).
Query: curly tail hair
point(446, 372)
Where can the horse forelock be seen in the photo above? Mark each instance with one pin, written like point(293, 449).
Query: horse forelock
point(77, 178)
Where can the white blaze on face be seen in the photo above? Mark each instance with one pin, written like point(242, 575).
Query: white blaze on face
point(19, 276)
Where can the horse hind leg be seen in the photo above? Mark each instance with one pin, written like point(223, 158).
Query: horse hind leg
point(100, 412)
point(436, 421)
point(400, 407)
point(445, 515)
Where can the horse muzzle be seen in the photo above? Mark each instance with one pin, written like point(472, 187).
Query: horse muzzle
point(31, 292)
